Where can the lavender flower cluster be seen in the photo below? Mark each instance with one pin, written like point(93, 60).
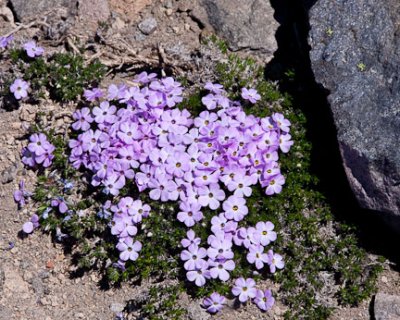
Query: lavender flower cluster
point(126, 216)
point(38, 152)
point(136, 134)
point(244, 289)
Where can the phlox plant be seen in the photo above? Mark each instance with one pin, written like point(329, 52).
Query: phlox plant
point(137, 136)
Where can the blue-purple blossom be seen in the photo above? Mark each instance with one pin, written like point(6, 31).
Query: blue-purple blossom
point(264, 300)
point(38, 152)
point(5, 41)
point(32, 49)
point(32, 224)
point(214, 303)
point(20, 89)
point(129, 249)
point(244, 289)
point(251, 95)
point(21, 195)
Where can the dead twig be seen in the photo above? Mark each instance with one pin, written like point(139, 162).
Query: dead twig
point(22, 26)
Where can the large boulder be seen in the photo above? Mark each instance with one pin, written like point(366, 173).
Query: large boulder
point(35, 9)
point(243, 24)
point(355, 54)
point(62, 15)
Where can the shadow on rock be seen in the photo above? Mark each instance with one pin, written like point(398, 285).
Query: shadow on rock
point(378, 233)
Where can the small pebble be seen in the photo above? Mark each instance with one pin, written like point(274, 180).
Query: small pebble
point(50, 264)
point(148, 26)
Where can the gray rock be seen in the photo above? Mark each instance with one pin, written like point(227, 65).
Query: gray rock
point(32, 9)
point(356, 56)
point(244, 24)
point(8, 174)
point(148, 25)
point(117, 307)
point(196, 312)
point(386, 307)
point(91, 12)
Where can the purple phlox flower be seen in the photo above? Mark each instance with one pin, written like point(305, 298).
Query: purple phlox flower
point(214, 87)
point(174, 96)
point(38, 144)
point(11, 245)
point(21, 194)
point(257, 256)
point(123, 226)
point(45, 213)
point(199, 274)
point(275, 261)
point(205, 178)
point(264, 300)
point(240, 236)
point(285, 143)
point(211, 196)
point(244, 289)
point(92, 95)
point(190, 239)
point(29, 226)
point(20, 89)
point(251, 235)
point(129, 249)
point(250, 94)
point(274, 184)
point(60, 203)
point(241, 185)
point(46, 158)
point(163, 188)
point(104, 113)
point(271, 169)
point(214, 303)
point(143, 177)
point(193, 256)
point(281, 122)
point(205, 118)
point(128, 156)
point(206, 163)
point(145, 78)
point(223, 101)
point(60, 236)
point(32, 49)
point(178, 164)
point(67, 185)
point(219, 268)
point(158, 156)
point(83, 119)
point(220, 249)
point(113, 184)
point(218, 223)
point(235, 208)
point(139, 211)
point(267, 235)
point(190, 214)
point(210, 101)
point(157, 99)
point(5, 41)
point(119, 265)
point(269, 139)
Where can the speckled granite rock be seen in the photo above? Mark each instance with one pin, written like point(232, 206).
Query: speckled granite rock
point(356, 56)
point(244, 24)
